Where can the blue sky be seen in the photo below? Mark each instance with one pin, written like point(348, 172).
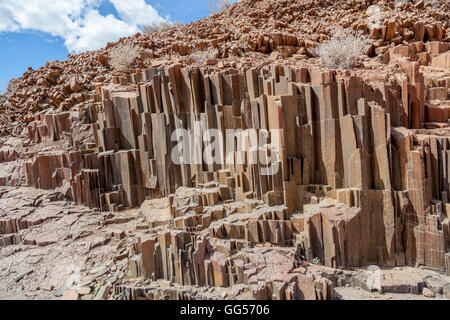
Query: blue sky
point(33, 32)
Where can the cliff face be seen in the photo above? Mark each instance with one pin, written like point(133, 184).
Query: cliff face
point(340, 139)
point(347, 167)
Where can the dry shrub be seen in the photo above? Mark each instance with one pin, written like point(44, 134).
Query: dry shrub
point(215, 6)
point(223, 5)
point(343, 50)
point(163, 26)
point(123, 56)
point(211, 7)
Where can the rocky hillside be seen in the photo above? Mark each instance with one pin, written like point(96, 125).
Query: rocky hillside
point(245, 34)
point(114, 183)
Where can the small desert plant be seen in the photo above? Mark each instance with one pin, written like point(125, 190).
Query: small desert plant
point(201, 57)
point(343, 50)
point(98, 286)
point(223, 5)
point(211, 7)
point(163, 26)
point(315, 261)
point(123, 56)
point(215, 6)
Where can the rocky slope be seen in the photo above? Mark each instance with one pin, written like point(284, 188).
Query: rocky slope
point(247, 34)
point(361, 171)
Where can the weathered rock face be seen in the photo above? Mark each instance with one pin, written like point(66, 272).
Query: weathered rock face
point(340, 137)
point(259, 165)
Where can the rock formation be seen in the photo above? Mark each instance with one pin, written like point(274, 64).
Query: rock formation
point(349, 169)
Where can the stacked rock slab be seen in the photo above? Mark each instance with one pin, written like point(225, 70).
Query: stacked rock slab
point(269, 273)
point(340, 137)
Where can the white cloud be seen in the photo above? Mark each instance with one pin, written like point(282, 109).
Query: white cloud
point(78, 22)
point(6, 23)
point(136, 11)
